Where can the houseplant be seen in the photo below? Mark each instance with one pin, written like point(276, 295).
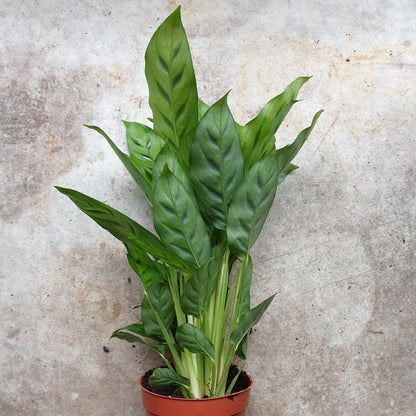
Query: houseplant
point(210, 183)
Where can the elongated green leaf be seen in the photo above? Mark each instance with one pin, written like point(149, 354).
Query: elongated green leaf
point(190, 337)
point(149, 271)
point(173, 94)
point(257, 136)
point(129, 337)
point(125, 229)
point(251, 204)
point(138, 175)
point(199, 287)
point(286, 154)
point(195, 292)
point(246, 284)
point(254, 197)
point(157, 309)
point(177, 220)
point(216, 162)
point(248, 320)
point(167, 377)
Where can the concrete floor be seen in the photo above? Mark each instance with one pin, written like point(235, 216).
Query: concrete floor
point(340, 242)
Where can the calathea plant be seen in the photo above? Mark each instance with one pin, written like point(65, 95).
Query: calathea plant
point(211, 183)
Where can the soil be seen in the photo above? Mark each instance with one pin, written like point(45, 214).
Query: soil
point(242, 383)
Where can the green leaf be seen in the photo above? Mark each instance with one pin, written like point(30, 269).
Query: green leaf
point(216, 162)
point(148, 270)
point(167, 377)
point(246, 284)
point(286, 154)
point(202, 109)
point(138, 175)
point(177, 220)
point(257, 136)
point(125, 229)
point(157, 310)
point(241, 350)
point(195, 292)
point(173, 94)
point(286, 171)
point(251, 204)
point(190, 337)
point(167, 158)
point(254, 197)
point(248, 320)
point(142, 141)
point(129, 337)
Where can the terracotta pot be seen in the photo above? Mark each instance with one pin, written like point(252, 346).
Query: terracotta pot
point(230, 405)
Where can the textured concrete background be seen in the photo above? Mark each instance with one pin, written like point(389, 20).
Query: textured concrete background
point(340, 241)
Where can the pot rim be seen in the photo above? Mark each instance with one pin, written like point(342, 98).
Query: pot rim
point(232, 395)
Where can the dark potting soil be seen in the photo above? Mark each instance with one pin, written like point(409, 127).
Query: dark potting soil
point(242, 383)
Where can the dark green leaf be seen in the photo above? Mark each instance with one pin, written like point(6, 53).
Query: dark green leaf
point(216, 162)
point(149, 271)
point(286, 154)
point(241, 351)
point(250, 205)
point(195, 292)
point(173, 95)
point(138, 175)
point(166, 158)
point(157, 310)
point(246, 284)
point(257, 136)
point(177, 220)
point(254, 197)
point(129, 337)
point(125, 229)
point(199, 287)
point(167, 377)
point(248, 320)
point(192, 338)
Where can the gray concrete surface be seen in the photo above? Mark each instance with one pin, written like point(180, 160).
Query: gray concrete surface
point(340, 241)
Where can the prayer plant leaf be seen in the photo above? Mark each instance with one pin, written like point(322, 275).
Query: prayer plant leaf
point(190, 337)
point(177, 220)
point(257, 136)
point(173, 94)
point(157, 311)
point(125, 229)
point(216, 162)
point(137, 174)
point(248, 320)
point(167, 377)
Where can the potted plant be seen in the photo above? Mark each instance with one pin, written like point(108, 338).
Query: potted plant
point(210, 183)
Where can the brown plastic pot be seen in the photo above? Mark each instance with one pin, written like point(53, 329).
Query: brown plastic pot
point(229, 405)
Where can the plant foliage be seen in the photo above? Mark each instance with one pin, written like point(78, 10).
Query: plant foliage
point(211, 183)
